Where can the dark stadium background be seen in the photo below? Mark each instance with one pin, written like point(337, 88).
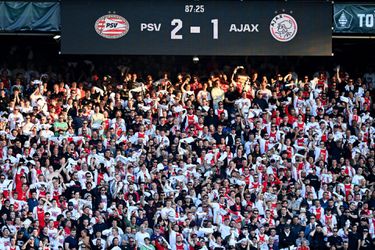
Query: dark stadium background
point(355, 55)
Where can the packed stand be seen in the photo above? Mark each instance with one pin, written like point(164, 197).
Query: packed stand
point(231, 162)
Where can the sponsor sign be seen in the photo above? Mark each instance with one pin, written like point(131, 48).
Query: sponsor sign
point(354, 18)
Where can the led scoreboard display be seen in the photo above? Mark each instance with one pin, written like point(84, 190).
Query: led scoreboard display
point(173, 27)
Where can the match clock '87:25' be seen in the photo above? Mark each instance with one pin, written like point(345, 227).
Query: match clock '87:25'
point(194, 8)
point(178, 24)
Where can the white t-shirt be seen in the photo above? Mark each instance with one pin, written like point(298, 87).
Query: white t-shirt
point(5, 242)
point(54, 211)
point(370, 78)
point(82, 177)
point(8, 248)
point(140, 237)
point(52, 232)
point(357, 179)
point(167, 212)
point(57, 242)
point(224, 230)
point(15, 119)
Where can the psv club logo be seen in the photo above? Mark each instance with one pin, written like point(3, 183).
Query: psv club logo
point(112, 26)
point(283, 27)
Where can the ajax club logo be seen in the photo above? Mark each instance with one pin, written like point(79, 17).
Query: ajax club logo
point(111, 26)
point(283, 27)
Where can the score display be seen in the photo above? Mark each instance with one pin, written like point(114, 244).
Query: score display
point(178, 24)
point(196, 27)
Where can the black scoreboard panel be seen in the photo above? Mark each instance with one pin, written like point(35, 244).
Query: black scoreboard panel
point(174, 27)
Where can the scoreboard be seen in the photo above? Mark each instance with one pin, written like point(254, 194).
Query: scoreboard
point(175, 27)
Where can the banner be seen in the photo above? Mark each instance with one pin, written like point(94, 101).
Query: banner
point(354, 18)
point(170, 27)
point(28, 16)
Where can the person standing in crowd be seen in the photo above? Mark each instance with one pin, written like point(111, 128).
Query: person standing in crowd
point(116, 162)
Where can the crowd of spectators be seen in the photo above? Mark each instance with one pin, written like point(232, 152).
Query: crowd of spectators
point(236, 161)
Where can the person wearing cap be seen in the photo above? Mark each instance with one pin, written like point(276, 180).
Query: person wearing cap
point(73, 214)
point(98, 244)
point(366, 241)
point(231, 138)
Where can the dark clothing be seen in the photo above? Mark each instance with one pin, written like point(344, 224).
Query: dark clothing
point(32, 203)
point(367, 243)
point(231, 139)
point(353, 240)
point(317, 241)
point(4, 101)
point(100, 227)
point(335, 241)
point(296, 229)
point(218, 137)
point(73, 242)
point(208, 120)
point(5, 210)
point(77, 123)
point(314, 181)
point(286, 240)
point(261, 103)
